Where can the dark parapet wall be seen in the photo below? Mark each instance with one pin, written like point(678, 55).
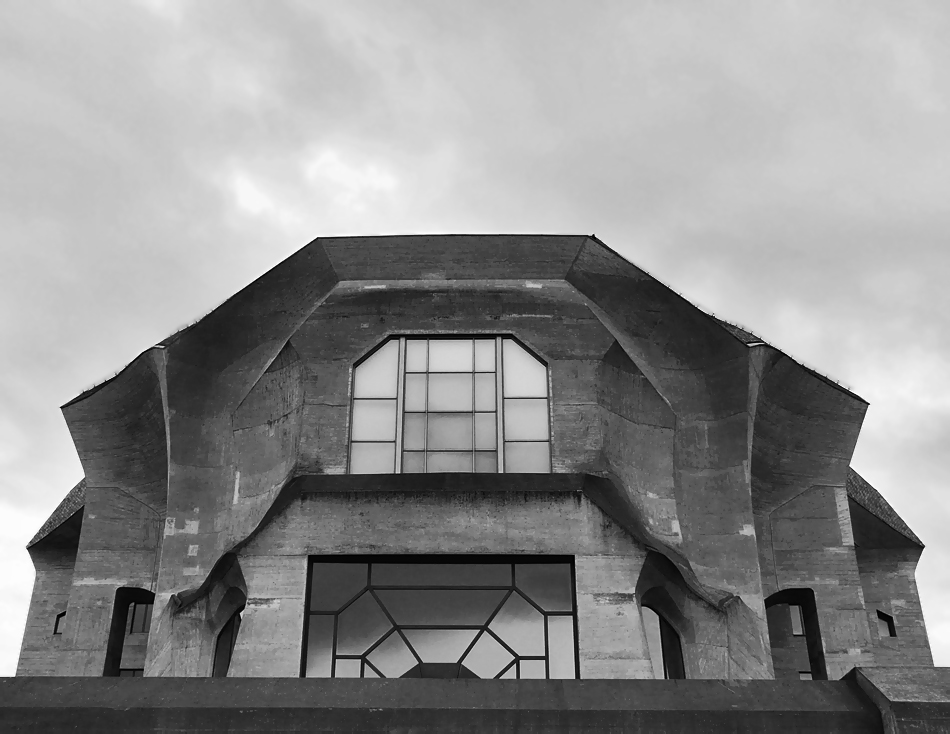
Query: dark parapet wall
point(437, 706)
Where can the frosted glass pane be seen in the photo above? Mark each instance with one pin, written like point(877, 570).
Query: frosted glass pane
point(413, 462)
point(450, 355)
point(372, 458)
point(319, 646)
point(527, 458)
point(532, 669)
point(484, 355)
point(561, 647)
point(520, 626)
point(374, 420)
point(440, 645)
point(526, 420)
point(441, 607)
point(546, 584)
point(415, 399)
point(487, 658)
point(414, 431)
point(392, 657)
point(449, 431)
point(449, 461)
point(485, 392)
point(334, 584)
point(512, 672)
point(360, 625)
point(450, 392)
point(416, 355)
point(376, 376)
point(441, 574)
point(524, 375)
point(486, 462)
point(348, 668)
point(368, 672)
point(486, 431)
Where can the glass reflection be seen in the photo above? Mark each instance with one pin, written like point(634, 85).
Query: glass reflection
point(360, 625)
point(428, 617)
point(487, 658)
point(334, 584)
point(547, 584)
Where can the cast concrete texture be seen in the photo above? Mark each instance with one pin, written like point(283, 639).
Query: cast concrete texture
point(688, 456)
point(422, 706)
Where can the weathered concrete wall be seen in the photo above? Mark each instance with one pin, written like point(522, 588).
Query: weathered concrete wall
point(119, 546)
point(607, 563)
point(887, 578)
point(41, 651)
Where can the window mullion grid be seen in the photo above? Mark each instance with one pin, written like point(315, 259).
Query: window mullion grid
point(400, 401)
point(499, 405)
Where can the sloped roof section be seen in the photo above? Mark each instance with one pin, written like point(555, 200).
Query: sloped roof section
point(746, 337)
point(871, 500)
point(72, 503)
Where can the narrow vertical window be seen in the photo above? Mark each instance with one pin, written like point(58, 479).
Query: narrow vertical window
point(58, 624)
point(663, 643)
point(224, 647)
point(885, 625)
point(798, 623)
point(450, 405)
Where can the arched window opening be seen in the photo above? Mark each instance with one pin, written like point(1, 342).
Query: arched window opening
point(663, 642)
point(59, 623)
point(224, 647)
point(795, 636)
point(450, 405)
point(128, 634)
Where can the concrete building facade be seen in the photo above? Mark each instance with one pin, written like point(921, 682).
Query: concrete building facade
point(469, 456)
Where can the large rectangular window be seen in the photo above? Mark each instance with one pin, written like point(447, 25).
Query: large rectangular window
point(450, 405)
point(440, 617)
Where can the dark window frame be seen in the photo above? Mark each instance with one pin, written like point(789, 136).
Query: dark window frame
point(474, 559)
point(888, 620)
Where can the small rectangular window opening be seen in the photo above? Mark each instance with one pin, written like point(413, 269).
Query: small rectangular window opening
point(885, 625)
point(58, 624)
point(804, 675)
point(798, 622)
point(140, 617)
point(131, 672)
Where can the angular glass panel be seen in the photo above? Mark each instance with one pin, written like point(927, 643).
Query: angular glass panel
point(449, 431)
point(348, 668)
point(319, 645)
point(450, 393)
point(448, 461)
point(374, 420)
point(360, 625)
point(415, 398)
point(561, 646)
point(484, 355)
point(450, 355)
point(414, 432)
point(526, 420)
point(511, 672)
point(486, 462)
point(333, 584)
point(368, 672)
point(485, 392)
point(441, 574)
point(486, 431)
point(524, 375)
point(532, 669)
point(438, 607)
point(546, 584)
point(372, 458)
point(651, 628)
point(528, 458)
point(376, 376)
point(487, 658)
point(440, 645)
point(413, 462)
point(416, 355)
point(392, 657)
point(521, 626)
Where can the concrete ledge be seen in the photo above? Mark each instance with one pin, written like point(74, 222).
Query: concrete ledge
point(420, 706)
point(449, 482)
point(911, 700)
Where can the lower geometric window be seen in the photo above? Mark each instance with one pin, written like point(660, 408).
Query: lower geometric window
point(440, 617)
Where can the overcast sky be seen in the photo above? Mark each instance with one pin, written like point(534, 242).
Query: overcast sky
point(785, 165)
